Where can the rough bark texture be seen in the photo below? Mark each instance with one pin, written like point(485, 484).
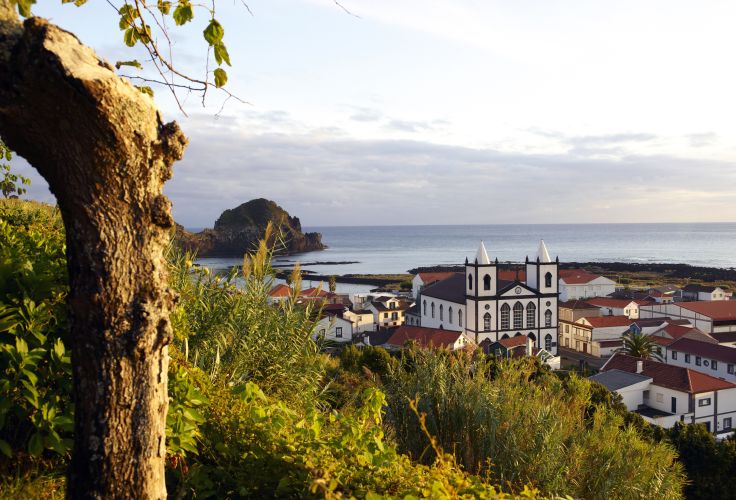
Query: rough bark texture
point(102, 148)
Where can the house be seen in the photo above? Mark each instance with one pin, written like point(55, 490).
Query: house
point(487, 301)
point(704, 292)
point(279, 293)
point(428, 338)
point(597, 336)
point(334, 328)
point(413, 315)
point(362, 320)
point(422, 280)
point(618, 307)
point(706, 357)
point(664, 394)
point(660, 296)
point(570, 312)
point(388, 311)
point(711, 317)
point(581, 284)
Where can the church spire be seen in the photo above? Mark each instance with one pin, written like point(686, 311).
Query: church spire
point(482, 256)
point(542, 253)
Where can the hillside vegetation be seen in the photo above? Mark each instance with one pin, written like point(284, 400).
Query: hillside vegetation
point(256, 410)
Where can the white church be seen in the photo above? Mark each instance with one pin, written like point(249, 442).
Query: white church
point(487, 302)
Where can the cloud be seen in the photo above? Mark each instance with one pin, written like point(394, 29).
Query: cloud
point(701, 140)
point(366, 115)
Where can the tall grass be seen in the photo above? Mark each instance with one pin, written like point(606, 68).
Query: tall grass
point(224, 325)
point(519, 424)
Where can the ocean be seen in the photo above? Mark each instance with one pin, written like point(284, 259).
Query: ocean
point(396, 249)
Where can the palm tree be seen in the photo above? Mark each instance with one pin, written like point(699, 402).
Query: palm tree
point(640, 346)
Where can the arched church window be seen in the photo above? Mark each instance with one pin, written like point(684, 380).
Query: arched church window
point(518, 315)
point(547, 318)
point(548, 280)
point(486, 322)
point(487, 282)
point(505, 336)
point(442, 316)
point(459, 317)
point(548, 342)
point(449, 315)
point(531, 315)
point(470, 281)
point(505, 317)
point(433, 309)
point(425, 307)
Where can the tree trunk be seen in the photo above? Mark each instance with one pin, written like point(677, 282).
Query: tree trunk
point(102, 148)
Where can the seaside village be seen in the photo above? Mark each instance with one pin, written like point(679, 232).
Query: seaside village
point(569, 319)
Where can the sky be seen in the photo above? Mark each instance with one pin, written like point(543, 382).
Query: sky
point(452, 112)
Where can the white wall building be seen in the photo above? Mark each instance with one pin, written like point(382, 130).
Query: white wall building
point(709, 358)
point(618, 307)
point(333, 328)
point(665, 394)
point(484, 306)
point(362, 320)
point(580, 284)
point(703, 292)
point(422, 280)
point(709, 317)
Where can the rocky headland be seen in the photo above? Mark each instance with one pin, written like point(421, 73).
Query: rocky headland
point(239, 229)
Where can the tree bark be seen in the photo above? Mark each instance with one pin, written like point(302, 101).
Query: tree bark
point(105, 153)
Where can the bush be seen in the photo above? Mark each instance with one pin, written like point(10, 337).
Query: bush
point(520, 425)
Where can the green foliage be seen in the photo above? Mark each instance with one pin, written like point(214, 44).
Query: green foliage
point(708, 462)
point(520, 424)
point(225, 326)
point(11, 185)
point(332, 284)
point(184, 415)
point(36, 413)
point(640, 345)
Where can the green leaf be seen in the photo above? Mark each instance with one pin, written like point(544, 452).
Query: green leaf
point(214, 32)
point(194, 415)
point(35, 444)
point(130, 37)
point(59, 348)
point(32, 377)
point(221, 54)
point(164, 7)
point(24, 7)
point(5, 449)
point(145, 89)
point(133, 63)
point(220, 78)
point(183, 14)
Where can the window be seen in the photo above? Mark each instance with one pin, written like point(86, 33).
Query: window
point(729, 368)
point(567, 328)
point(425, 307)
point(395, 315)
point(460, 317)
point(704, 402)
point(531, 315)
point(505, 317)
point(567, 342)
point(486, 322)
point(727, 424)
point(385, 315)
point(442, 313)
point(433, 309)
point(698, 361)
point(338, 332)
point(548, 342)
point(713, 364)
point(547, 318)
point(486, 282)
point(674, 354)
point(548, 280)
point(518, 315)
point(449, 315)
point(470, 281)
point(687, 358)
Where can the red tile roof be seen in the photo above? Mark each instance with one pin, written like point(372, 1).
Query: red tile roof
point(510, 342)
point(718, 310)
point(280, 290)
point(576, 276)
point(672, 377)
point(608, 321)
point(511, 275)
point(315, 292)
point(577, 304)
point(661, 340)
point(423, 336)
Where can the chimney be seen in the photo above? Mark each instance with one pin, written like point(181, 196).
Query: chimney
point(639, 366)
point(529, 347)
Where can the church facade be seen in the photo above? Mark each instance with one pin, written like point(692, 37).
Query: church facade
point(487, 302)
